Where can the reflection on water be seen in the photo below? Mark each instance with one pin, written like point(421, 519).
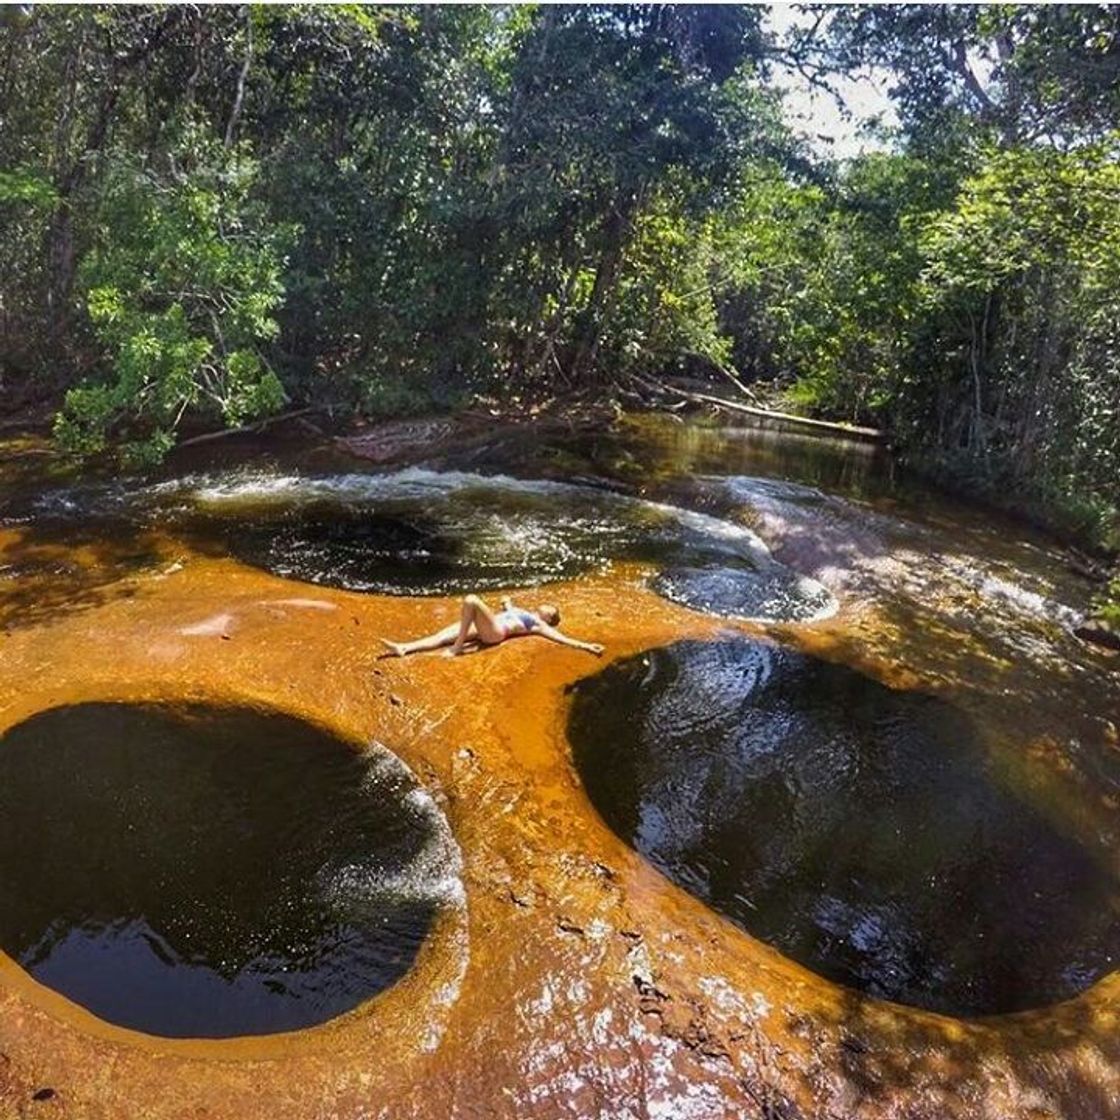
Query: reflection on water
point(772, 593)
point(859, 830)
point(650, 450)
point(197, 872)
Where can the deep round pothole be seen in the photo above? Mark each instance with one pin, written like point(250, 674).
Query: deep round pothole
point(420, 532)
point(861, 831)
point(209, 872)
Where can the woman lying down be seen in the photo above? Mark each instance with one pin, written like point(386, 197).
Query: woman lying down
point(478, 624)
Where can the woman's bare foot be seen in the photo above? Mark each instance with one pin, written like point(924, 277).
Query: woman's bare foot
point(395, 648)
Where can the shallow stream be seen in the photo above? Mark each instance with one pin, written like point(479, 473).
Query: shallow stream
point(897, 766)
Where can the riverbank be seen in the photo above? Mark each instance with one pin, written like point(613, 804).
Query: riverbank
point(1089, 530)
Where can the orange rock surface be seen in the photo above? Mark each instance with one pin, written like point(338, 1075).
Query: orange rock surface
point(580, 983)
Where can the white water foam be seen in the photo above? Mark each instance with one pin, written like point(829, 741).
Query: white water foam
point(417, 483)
point(434, 873)
point(599, 514)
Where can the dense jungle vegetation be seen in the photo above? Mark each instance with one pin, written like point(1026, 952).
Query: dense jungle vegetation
point(210, 215)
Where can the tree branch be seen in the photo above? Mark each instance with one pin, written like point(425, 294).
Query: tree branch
point(964, 69)
point(238, 101)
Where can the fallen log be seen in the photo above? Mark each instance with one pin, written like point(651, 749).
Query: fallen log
point(257, 426)
point(849, 431)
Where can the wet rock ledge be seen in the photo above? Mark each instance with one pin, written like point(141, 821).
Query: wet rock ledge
point(581, 981)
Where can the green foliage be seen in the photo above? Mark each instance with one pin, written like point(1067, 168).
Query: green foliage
point(1021, 277)
point(181, 283)
point(1023, 73)
point(385, 209)
point(820, 283)
point(26, 186)
point(975, 317)
point(623, 128)
point(27, 200)
point(514, 198)
point(1106, 605)
point(664, 314)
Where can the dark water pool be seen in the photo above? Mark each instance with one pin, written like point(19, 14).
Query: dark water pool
point(859, 830)
point(211, 872)
point(421, 532)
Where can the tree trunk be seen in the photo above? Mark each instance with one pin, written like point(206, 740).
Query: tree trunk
point(239, 98)
point(615, 228)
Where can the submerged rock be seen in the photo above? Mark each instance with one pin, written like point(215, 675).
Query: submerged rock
point(661, 1007)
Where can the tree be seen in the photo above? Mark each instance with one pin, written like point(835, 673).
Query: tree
point(1022, 272)
point(612, 110)
point(181, 283)
point(1020, 72)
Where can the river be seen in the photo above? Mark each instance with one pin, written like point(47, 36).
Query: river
point(832, 829)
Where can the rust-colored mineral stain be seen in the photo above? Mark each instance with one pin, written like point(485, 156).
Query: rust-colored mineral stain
point(578, 981)
point(591, 978)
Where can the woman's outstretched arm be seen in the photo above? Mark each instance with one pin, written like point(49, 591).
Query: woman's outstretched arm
point(554, 635)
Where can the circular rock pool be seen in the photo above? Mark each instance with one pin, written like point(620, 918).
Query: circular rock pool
point(420, 532)
point(211, 872)
point(861, 831)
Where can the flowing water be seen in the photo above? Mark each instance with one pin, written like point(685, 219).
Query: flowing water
point(424, 532)
point(206, 872)
point(901, 769)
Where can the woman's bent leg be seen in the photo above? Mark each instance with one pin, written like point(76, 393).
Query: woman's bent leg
point(478, 615)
